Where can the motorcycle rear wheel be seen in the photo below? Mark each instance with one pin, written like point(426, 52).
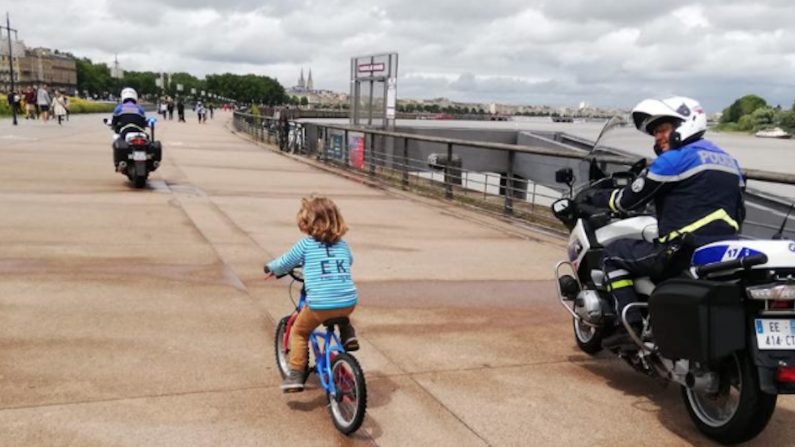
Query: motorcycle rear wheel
point(739, 410)
point(139, 181)
point(588, 338)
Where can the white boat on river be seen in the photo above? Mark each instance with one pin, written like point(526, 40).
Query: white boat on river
point(775, 132)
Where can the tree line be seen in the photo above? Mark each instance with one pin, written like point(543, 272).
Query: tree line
point(94, 80)
point(752, 113)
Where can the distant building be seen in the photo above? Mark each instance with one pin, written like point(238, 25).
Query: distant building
point(18, 50)
point(34, 66)
point(304, 85)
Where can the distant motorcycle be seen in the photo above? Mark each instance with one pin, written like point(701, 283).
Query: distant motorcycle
point(720, 324)
point(137, 154)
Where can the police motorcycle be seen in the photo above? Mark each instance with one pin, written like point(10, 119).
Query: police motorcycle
point(137, 154)
point(721, 324)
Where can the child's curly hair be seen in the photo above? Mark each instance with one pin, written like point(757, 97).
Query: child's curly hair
point(320, 218)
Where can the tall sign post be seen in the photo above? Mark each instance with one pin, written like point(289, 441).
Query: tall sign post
point(374, 90)
point(14, 94)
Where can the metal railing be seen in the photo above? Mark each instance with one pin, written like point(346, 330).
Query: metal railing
point(362, 150)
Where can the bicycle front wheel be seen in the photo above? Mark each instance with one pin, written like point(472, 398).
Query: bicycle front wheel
point(279, 348)
point(347, 408)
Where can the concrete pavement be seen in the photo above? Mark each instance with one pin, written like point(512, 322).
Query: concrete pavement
point(139, 317)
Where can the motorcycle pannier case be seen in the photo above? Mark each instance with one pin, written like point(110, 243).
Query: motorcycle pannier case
point(120, 151)
point(697, 320)
point(157, 151)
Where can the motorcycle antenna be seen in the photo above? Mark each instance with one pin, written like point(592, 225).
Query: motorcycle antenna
point(780, 234)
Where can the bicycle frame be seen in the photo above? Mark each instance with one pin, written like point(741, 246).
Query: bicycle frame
point(323, 354)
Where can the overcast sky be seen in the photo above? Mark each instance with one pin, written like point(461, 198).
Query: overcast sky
point(558, 52)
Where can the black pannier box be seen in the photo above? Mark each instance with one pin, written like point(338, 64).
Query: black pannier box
point(157, 151)
point(697, 320)
point(120, 151)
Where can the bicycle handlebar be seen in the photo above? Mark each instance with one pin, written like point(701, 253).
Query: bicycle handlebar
point(294, 273)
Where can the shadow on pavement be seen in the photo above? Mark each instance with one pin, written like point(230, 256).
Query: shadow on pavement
point(666, 403)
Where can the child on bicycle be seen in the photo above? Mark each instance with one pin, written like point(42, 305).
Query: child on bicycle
point(330, 291)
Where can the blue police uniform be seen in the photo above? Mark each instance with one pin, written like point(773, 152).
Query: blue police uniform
point(128, 117)
point(696, 188)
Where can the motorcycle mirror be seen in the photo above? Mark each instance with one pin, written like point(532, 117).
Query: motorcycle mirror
point(105, 120)
point(561, 206)
point(152, 120)
point(595, 172)
point(639, 166)
point(564, 175)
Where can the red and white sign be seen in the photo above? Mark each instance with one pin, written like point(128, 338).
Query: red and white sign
point(371, 67)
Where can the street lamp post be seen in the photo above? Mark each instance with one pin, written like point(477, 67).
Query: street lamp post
point(12, 98)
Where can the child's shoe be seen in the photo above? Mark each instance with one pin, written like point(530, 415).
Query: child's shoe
point(293, 382)
point(348, 336)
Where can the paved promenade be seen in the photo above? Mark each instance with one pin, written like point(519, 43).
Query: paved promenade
point(140, 317)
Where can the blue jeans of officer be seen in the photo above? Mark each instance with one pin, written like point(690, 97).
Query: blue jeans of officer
point(624, 260)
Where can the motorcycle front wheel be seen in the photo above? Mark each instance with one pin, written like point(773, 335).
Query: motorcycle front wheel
point(589, 338)
point(738, 410)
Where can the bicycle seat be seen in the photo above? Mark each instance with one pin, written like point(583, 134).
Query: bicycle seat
point(331, 322)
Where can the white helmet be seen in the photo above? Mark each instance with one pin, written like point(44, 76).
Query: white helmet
point(686, 114)
point(129, 93)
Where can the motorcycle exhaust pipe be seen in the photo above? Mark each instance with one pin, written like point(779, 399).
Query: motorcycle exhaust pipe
point(706, 382)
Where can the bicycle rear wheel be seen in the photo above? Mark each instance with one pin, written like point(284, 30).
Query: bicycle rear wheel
point(347, 408)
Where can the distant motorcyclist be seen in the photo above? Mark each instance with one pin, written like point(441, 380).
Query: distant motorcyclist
point(128, 116)
point(697, 192)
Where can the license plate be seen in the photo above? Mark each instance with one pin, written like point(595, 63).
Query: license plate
point(775, 334)
point(139, 156)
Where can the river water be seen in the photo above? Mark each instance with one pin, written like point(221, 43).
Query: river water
point(755, 153)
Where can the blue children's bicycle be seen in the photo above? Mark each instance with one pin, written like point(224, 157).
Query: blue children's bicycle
point(339, 372)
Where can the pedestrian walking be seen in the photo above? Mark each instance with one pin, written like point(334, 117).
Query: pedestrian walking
point(43, 101)
point(201, 112)
point(180, 110)
point(14, 102)
point(30, 104)
point(212, 110)
point(59, 106)
point(170, 107)
point(163, 108)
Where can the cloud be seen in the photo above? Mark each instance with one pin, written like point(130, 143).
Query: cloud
point(558, 52)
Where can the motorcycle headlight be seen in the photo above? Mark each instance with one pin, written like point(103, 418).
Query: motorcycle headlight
point(772, 292)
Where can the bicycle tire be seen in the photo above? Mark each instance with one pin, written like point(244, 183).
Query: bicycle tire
point(344, 422)
point(281, 354)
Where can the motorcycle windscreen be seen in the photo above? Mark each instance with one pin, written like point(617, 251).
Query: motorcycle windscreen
point(697, 320)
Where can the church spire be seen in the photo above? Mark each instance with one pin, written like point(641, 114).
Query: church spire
point(301, 82)
point(309, 84)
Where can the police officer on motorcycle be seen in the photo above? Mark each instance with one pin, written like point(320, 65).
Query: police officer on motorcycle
point(128, 116)
point(697, 192)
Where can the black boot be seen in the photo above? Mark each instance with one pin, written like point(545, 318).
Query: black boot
point(348, 338)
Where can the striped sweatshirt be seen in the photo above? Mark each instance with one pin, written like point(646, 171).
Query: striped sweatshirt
point(327, 272)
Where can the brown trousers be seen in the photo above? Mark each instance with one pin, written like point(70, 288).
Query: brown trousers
point(306, 322)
